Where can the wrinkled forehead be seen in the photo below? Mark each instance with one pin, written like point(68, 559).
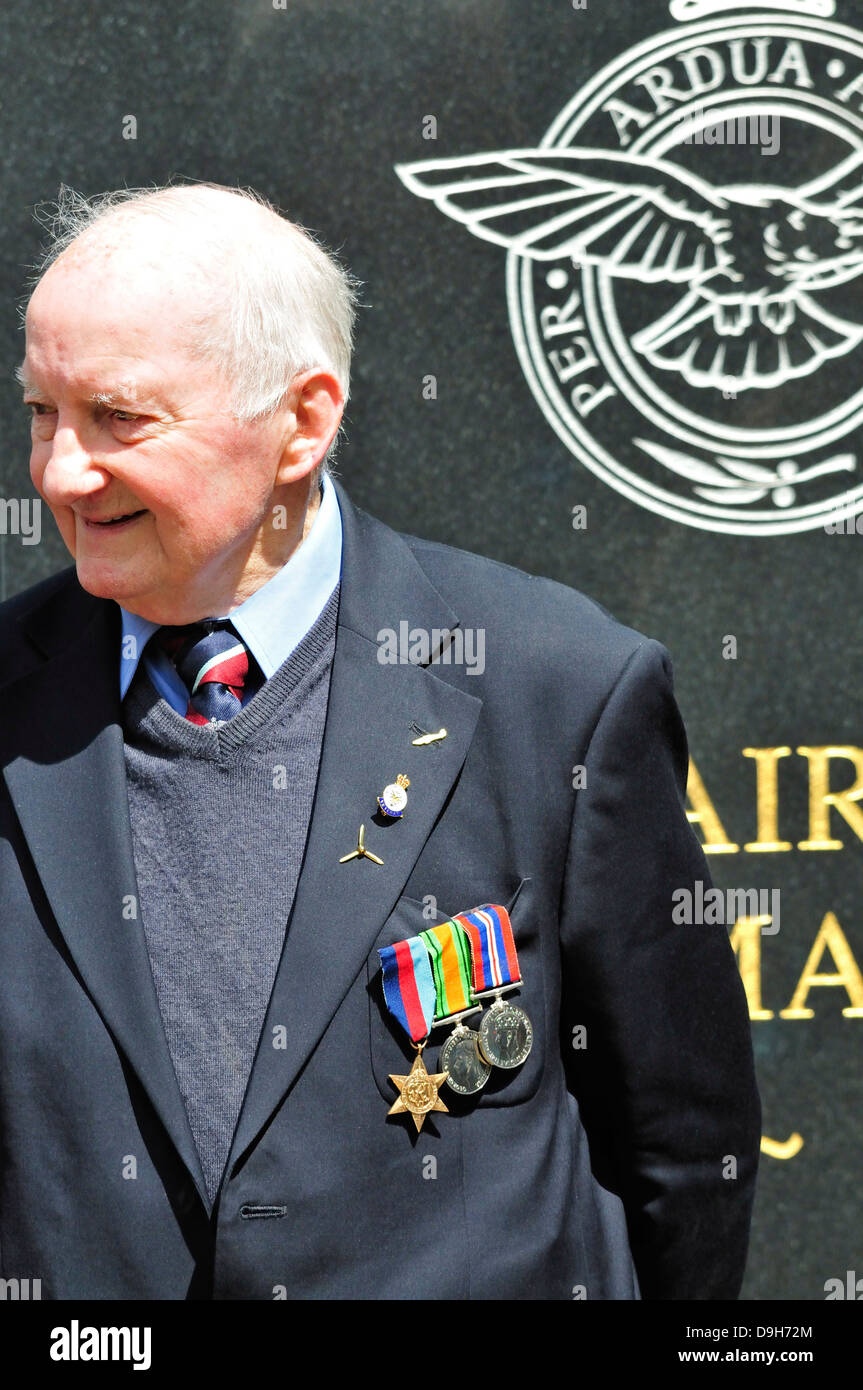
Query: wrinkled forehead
point(109, 297)
point(129, 237)
point(132, 258)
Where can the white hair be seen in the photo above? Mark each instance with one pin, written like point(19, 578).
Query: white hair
point(290, 304)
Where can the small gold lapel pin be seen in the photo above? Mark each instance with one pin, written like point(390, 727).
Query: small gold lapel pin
point(428, 738)
point(361, 852)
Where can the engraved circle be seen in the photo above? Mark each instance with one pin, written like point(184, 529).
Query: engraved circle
point(505, 1036)
point(626, 373)
point(460, 1056)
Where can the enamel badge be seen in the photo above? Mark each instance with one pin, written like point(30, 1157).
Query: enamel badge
point(394, 798)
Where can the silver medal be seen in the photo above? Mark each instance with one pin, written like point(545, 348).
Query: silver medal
point(460, 1056)
point(505, 1035)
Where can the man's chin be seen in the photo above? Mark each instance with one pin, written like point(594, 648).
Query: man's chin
point(111, 581)
point(138, 595)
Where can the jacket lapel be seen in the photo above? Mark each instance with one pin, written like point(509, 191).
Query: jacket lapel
point(67, 780)
point(339, 908)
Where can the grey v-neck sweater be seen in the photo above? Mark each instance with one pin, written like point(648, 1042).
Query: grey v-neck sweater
point(219, 824)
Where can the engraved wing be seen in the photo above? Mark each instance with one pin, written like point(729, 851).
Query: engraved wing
point(640, 218)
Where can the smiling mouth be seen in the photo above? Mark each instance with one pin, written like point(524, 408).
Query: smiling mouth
point(114, 522)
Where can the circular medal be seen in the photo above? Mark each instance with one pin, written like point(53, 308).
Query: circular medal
point(460, 1056)
point(505, 1035)
point(394, 798)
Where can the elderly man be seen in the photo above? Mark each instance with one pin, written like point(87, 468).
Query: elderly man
point(336, 866)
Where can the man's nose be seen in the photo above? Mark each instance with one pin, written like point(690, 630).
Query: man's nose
point(71, 471)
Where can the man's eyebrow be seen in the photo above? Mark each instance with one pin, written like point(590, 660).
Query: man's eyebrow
point(123, 391)
point(127, 390)
point(23, 380)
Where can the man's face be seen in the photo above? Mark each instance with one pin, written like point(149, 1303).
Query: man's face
point(126, 423)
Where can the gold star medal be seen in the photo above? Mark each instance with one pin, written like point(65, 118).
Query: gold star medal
point(418, 1091)
point(409, 994)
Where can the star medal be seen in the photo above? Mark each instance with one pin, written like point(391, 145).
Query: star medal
point(394, 798)
point(505, 1033)
point(449, 950)
point(409, 993)
point(418, 1091)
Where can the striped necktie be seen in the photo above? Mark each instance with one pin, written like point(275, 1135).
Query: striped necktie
point(215, 666)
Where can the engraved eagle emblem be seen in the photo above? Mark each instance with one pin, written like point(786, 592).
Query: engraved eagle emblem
point(751, 259)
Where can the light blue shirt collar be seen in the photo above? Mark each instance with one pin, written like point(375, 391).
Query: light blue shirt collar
point(271, 622)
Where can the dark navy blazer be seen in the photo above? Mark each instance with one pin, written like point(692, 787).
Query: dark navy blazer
point(598, 1171)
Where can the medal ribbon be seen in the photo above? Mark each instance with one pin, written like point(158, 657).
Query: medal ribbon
point(450, 962)
point(409, 988)
point(494, 959)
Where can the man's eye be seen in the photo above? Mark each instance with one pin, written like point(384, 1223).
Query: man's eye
point(39, 408)
point(124, 417)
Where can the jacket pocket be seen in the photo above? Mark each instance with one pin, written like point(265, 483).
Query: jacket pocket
point(391, 1052)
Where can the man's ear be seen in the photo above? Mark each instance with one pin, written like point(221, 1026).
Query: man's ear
point(315, 406)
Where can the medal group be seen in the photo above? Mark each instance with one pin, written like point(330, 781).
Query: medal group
point(439, 977)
